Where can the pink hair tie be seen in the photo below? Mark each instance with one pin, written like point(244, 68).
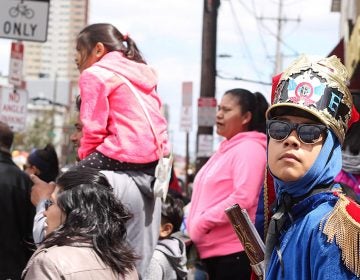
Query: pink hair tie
point(125, 36)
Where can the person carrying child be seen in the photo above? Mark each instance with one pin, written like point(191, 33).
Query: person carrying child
point(118, 134)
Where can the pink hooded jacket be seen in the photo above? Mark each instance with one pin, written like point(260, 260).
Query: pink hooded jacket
point(234, 174)
point(114, 121)
point(352, 180)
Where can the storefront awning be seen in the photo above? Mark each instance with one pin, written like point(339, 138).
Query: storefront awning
point(339, 51)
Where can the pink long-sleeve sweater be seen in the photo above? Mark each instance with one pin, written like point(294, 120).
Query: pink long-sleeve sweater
point(114, 122)
point(234, 174)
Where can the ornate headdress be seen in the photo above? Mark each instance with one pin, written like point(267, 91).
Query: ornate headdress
point(316, 86)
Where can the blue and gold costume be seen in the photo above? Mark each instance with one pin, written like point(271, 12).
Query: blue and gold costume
point(306, 253)
point(315, 231)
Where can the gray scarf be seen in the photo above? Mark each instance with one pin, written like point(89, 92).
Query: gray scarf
point(350, 162)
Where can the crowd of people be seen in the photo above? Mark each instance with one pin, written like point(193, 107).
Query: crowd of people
point(102, 218)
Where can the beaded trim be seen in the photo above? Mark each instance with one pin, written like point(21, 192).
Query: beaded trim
point(341, 227)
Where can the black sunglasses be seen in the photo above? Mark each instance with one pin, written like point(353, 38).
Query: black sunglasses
point(307, 133)
point(48, 203)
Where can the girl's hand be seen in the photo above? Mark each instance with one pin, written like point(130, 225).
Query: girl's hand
point(40, 190)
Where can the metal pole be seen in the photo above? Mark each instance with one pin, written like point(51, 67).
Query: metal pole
point(278, 56)
point(187, 166)
point(208, 64)
point(53, 119)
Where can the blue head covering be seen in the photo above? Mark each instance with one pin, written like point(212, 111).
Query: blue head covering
point(35, 159)
point(315, 88)
point(322, 172)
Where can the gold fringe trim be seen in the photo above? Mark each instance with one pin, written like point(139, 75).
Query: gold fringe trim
point(342, 228)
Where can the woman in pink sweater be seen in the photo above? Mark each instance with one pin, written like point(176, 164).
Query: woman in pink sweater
point(234, 174)
point(116, 132)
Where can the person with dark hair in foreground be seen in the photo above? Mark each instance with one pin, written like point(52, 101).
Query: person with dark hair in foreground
point(85, 232)
point(134, 192)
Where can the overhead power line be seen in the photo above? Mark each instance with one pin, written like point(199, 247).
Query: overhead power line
point(280, 19)
point(262, 40)
point(242, 79)
point(245, 45)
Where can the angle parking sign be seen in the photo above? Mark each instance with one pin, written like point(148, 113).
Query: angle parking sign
point(13, 108)
point(25, 20)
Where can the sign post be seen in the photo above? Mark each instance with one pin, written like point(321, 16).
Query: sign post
point(16, 64)
point(186, 124)
point(206, 111)
point(206, 118)
point(25, 20)
point(186, 110)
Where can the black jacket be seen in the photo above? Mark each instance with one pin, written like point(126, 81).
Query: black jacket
point(16, 219)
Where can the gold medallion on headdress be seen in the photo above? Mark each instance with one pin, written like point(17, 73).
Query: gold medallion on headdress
point(317, 86)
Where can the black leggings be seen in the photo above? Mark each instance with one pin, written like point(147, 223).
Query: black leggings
point(230, 267)
point(99, 161)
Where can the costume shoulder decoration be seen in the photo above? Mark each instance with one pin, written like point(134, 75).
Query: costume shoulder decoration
point(343, 226)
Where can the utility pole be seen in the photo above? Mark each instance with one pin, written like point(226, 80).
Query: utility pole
point(278, 56)
point(280, 19)
point(208, 65)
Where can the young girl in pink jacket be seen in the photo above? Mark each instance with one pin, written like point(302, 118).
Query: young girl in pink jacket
point(116, 132)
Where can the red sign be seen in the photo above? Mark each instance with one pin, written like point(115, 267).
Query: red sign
point(206, 111)
point(16, 63)
point(207, 102)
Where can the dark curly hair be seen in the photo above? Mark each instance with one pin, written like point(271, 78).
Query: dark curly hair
point(94, 216)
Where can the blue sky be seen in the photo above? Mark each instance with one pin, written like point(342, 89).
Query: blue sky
point(168, 33)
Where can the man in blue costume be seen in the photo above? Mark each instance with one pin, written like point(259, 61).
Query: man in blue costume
point(315, 231)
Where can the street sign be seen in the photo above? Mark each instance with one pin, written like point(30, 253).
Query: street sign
point(25, 20)
point(186, 109)
point(205, 145)
point(13, 108)
point(206, 111)
point(16, 63)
